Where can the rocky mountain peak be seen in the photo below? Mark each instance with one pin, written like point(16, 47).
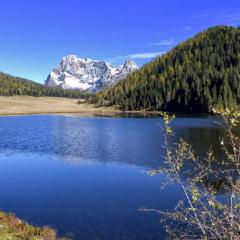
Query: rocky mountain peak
point(129, 65)
point(87, 74)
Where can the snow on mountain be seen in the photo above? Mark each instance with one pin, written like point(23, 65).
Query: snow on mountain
point(87, 74)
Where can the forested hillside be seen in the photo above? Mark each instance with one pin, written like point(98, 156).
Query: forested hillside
point(198, 74)
point(10, 85)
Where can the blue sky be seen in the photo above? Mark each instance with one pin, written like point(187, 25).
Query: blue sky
point(35, 35)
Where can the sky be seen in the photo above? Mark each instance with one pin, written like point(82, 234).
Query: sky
point(35, 35)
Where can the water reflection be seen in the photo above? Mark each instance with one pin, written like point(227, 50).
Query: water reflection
point(133, 141)
point(85, 176)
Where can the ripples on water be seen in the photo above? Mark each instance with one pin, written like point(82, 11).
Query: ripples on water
point(86, 176)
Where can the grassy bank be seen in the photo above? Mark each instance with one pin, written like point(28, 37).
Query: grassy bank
point(12, 228)
point(20, 105)
point(26, 105)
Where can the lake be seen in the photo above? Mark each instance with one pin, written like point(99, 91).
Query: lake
point(86, 176)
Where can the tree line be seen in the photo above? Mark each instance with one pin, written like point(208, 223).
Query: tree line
point(10, 85)
point(197, 75)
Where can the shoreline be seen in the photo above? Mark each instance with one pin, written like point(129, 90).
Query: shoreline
point(12, 227)
point(27, 105)
point(86, 114)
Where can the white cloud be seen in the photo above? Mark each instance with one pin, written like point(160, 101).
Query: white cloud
point(223, 16)
point(235, 17)
point(187, 28)
point(167, 42)
point(141, 55)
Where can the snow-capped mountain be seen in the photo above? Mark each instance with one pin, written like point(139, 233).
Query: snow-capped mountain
point(87, 74)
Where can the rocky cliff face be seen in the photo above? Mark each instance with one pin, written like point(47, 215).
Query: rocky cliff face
point(87, 74)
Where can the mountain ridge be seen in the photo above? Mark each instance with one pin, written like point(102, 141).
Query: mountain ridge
point(87, 74)
point(195, 76)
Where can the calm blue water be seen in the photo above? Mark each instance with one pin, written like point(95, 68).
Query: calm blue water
point(85, 176)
